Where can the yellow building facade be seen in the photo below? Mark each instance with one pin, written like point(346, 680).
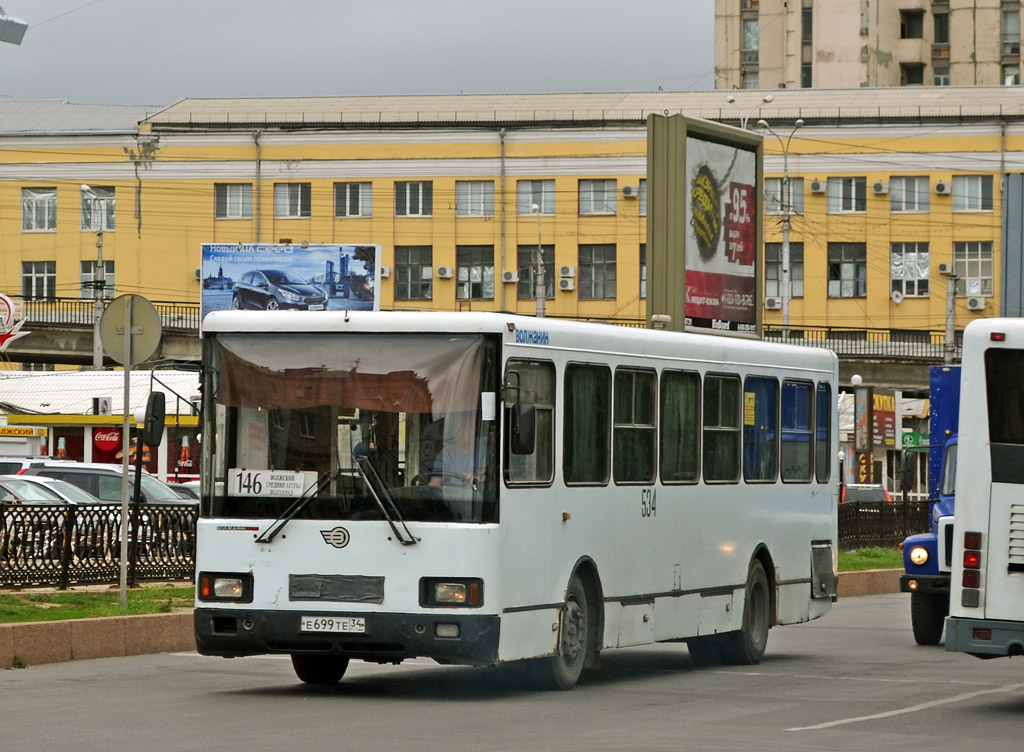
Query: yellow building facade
point(893, 190)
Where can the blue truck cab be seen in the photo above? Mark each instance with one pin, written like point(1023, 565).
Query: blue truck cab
point(927, 557)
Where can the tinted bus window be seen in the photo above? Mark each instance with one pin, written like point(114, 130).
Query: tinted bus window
point(796, 431)
point(634, 451)
point(823, 420)
point(1005, 395)
point(587, 424)
point(680, 427)
point(721, 428)
point(760, 428)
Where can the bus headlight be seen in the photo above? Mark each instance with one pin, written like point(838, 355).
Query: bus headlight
point(919, 555)
point(448, 592)
point(224, 587)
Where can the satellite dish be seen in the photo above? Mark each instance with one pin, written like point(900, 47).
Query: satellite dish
point(897, 297)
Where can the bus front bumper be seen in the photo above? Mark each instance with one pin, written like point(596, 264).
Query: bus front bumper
point(984, 638)
point(470, 639)
point(925, 583)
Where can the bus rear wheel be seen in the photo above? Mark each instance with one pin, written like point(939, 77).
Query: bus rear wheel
point(319, 668)
point(746, 647)
point(562, 670)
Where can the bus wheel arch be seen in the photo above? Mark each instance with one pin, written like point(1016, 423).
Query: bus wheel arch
point(586, 571)
point(746, 646)
point(578, 637)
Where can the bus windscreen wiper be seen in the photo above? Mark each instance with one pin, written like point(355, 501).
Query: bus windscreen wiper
point(297, 506)
point(370, 476)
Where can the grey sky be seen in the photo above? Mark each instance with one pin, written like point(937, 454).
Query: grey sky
point(147, 52)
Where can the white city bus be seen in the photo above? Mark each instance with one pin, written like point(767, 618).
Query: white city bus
point(478, 488)
point(987, 589)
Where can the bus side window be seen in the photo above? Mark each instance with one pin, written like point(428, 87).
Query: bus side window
point(721, 428)
point(586, 428)
point(530, 391)
point(679, 426)
point(796, 431)
point(823, 452)
point(760, 429)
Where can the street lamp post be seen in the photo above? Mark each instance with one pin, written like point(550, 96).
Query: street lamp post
point(541, 291)
point(99, 280)
point(787, 210)
point(744, 118)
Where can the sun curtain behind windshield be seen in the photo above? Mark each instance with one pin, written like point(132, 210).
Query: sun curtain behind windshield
point(421, 408)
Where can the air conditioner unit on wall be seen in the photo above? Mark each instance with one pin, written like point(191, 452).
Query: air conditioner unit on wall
point(773, 304)
point(101, 405)
point(385, 272)
point(510, 275)
point(976, 304)
point(198, 273)
point(630, 191)
point(880, 187)
point(943, 188)
point(945, 268)
point(445, 272)
point(818, 186)
point(566, 284)
point(567, 271)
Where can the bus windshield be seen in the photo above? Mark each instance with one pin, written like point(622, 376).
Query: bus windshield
point(355, 417)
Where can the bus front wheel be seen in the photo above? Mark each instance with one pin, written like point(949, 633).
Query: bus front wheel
point(746, 647)
point(319, 668)
point(927, 616)
point(562, 670)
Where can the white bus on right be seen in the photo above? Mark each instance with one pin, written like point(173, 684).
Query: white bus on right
point(987, 590)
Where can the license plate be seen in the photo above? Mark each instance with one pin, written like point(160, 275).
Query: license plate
point(349, 624)
point(316, 307)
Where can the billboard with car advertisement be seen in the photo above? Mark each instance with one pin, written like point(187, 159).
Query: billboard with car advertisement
point(276, 276)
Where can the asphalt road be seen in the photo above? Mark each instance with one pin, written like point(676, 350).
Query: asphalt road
point(853, 680)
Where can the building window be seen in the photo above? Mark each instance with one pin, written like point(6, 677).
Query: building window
point(806, 44)
point(87, 280)
point(1011, 75)
point(598, 197)
point(38, 280)
point(414, 199)
point(37, 367)
point(526, 289)
point(972, 193)
point(98, 209)
point(847, 195)
point(908, 194)
point(749, 79)
point(474, 198)
point(643, 271)
point(353, 199)
point(911, 74)
point(39, 209)
point(232, 200)
point(776, 203)
point(475, 272)
point(940, 75)
point(643, 197)
point(750, 41)
point(911, 24)
point(634, 440)
point(847, 270)
point(597, 272)
point(1011, 33)
point(530, 193)
point(413, 272)
point(940, 28)
point(972, 266)
point(773, 270)
point(292, 200)
point(908, 269)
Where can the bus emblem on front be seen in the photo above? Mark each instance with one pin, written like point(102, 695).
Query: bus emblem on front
point(338, 537)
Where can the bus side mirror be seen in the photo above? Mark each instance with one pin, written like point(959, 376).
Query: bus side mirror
point(524, 429)
point(153, 424)
point(907, 472)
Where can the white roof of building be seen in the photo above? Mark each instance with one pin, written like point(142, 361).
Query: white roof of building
point(482, 109)
point(60, 116)
point(72, 392)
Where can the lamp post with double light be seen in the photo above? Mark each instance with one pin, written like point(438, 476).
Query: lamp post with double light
point(744, 118)
point(539, 288)
point(786, 200)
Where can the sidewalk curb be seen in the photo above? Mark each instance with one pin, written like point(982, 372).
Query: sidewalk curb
point(35, 643)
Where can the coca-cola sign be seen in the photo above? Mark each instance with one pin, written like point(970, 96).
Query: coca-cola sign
point(107, 439)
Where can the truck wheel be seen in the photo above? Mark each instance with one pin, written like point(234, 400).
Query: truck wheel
point(927, 615)
point(319, 669)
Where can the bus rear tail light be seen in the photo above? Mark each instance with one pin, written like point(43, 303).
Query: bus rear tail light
point(970, 583)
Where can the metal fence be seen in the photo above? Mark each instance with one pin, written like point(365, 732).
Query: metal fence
point(879, 523)
point(78, 312)
point(59, 545)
